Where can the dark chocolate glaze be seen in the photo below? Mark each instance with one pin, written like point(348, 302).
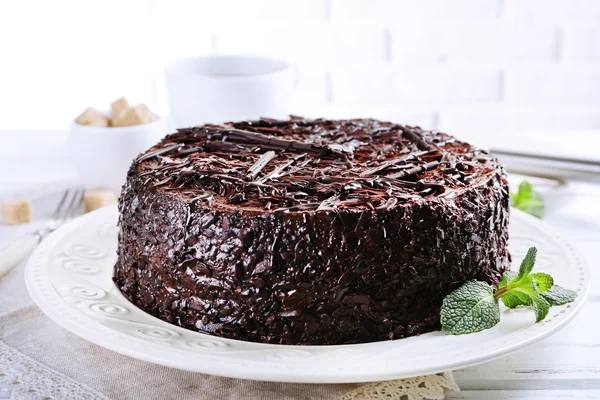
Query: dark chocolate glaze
point(309, 231)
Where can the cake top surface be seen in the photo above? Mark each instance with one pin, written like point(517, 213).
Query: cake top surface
point(311, 165)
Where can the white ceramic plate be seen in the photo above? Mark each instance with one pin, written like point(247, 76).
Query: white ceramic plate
point(69, 277)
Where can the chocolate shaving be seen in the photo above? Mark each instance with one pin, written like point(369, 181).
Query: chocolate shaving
point(260, 163)
point(395, 161)
point(157, 152)
point(416, 137)
point(415, 170)
point(258, 139)
point(318, 165)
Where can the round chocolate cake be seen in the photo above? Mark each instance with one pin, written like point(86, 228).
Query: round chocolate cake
point(309, 231)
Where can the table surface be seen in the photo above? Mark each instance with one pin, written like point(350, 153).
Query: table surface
point(566, 365)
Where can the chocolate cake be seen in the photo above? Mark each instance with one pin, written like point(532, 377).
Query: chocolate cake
point(309, 231)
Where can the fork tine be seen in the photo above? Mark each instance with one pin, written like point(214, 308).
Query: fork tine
point(60, 205)
point(71, 203)
point(78, 200)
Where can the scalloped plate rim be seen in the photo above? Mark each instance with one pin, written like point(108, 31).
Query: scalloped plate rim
point(226, 367)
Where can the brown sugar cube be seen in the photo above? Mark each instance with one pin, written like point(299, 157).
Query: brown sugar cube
point(136, 115)
point(118, 106)
point(16, 212)
point(92, 117)
point(98, 198)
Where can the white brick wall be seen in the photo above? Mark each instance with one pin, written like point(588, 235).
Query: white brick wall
point(401, 11)
point(570, 84)
point(53, 64)
point(582, 44)
point(309, 43)
point(458, 65)
point(558, 11)
point(424, 85)
point(493, 41)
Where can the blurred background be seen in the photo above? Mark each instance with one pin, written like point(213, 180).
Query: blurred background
point(480, 69)
point(486, 65)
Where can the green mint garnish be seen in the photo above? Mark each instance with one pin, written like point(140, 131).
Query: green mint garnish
point(543, 281)
point(528, 200)
point(557, 296)
point(540, 307)
point(527, 264)
point(474, 307)
point(470, 308)
point(514, 298)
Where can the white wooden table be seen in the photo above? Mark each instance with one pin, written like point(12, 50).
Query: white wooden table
point(566, 365)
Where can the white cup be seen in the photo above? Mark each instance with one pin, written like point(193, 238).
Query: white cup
point(218, 89)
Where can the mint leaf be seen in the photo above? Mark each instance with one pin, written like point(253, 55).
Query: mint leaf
point(557, 295)
point(470, 308)
point(506, 277)
point(515, 298)
point(543, 281)
point(528, 200)
point(540, 307)
point(522, 297)
point(520, 292)
point(525, 285)
point(526, 265)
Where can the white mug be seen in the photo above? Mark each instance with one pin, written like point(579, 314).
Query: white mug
point(217, 89)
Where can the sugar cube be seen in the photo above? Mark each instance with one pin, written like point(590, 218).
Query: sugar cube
point(98, 198)
point(118, 106)
point(92, 117)
point(136, 115)
point(16, 212)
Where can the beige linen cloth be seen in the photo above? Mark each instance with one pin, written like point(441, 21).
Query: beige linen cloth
point(41, 360)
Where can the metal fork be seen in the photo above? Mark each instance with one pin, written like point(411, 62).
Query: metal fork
point(22, 247)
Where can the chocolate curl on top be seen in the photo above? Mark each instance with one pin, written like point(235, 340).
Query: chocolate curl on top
point(258, 139)
point(419, 140)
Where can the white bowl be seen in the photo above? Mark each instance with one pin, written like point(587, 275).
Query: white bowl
point(102, 156)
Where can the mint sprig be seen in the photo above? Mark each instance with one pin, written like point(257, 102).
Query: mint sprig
point(474, 306)
point(528, 200)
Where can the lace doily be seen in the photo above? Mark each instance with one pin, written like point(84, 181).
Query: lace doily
point(23, 378)
point(428, 387)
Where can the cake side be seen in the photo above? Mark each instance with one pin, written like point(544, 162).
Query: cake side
point(330, 275)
